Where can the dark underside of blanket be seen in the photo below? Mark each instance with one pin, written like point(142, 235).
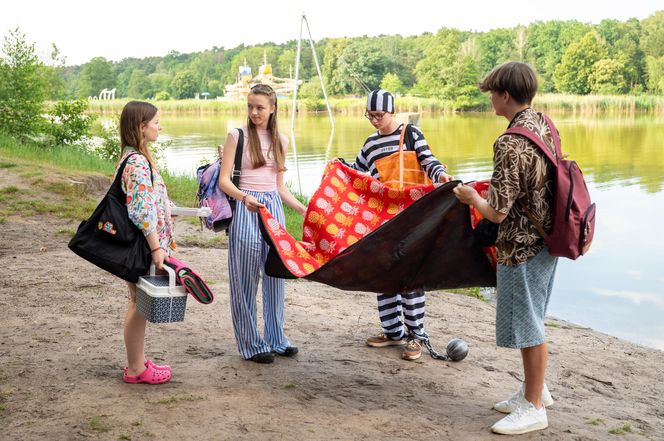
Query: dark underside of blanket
point(427, 246)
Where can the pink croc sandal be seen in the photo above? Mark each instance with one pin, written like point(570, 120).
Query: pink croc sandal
point(159, 367)
point(150, 376)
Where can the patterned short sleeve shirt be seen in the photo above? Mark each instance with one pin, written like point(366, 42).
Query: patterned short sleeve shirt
point(522, 177)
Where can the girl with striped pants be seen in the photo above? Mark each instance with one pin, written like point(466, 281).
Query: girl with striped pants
point(261, 185)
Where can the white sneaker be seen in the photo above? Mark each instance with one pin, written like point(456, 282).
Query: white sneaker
point(510, 404)
point(525, 418)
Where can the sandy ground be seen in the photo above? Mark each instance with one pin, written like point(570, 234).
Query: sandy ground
point(61, 359)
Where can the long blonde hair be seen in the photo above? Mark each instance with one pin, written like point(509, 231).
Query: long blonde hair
point(276, 149)
point(133, 116)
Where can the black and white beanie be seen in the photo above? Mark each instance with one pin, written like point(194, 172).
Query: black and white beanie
point(380, 100)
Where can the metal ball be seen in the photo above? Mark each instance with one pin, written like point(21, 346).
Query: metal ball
point(457, 349)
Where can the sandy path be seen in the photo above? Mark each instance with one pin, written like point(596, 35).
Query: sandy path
point(61, 355)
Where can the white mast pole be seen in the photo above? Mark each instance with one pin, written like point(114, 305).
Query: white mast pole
point(294, 107)
point(322, 85)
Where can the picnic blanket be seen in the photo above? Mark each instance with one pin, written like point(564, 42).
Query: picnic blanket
point(361, 235)
point(192, 282)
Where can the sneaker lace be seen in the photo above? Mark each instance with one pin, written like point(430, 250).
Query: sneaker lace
point(520, 410)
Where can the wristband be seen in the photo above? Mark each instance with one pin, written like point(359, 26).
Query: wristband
point(156, 249)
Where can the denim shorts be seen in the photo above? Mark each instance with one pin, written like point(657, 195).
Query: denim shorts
point(523, 293)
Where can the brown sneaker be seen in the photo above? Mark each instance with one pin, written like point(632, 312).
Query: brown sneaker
point(383, 340)
point(412, 350)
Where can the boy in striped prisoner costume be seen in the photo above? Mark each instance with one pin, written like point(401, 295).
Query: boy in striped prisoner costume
point(380, 110)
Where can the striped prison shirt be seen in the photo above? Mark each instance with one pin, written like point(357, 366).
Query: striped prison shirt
point(378, 146)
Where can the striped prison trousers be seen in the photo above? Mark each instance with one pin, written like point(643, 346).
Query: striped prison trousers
point(390, 307)
point(247, 252)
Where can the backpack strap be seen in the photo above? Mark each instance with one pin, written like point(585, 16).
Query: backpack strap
point(539, 142)
point(237, 167)
point(408, 139)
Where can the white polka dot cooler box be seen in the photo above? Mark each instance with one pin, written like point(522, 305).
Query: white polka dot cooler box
point(159, 299)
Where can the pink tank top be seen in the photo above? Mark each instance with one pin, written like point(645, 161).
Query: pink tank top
point(262, 178)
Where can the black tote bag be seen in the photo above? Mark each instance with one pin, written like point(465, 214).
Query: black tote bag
point(110, 240)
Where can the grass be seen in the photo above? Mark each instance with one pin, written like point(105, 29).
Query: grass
point(621, 430)
point(97, 425)
point(3, 405)
point(291, 385)
point(50, 168)
point(594, 421)
point(174, 399)
point(9, 190)
point(475, 292)
point(67, 232)
point(548, 102)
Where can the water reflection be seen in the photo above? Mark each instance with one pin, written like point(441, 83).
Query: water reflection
point(616, 288)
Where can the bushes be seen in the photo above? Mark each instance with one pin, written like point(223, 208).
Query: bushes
point(22, 88)
point(68, 122)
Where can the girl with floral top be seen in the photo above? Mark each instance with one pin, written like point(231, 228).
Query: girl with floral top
point(150, 210)
point(261, 185)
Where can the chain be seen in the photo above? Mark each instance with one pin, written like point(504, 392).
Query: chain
point(424, 338)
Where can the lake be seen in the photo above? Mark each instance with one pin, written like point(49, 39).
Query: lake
point(618, 288)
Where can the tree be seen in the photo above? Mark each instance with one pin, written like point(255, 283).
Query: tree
point(655, 72)
point(447, 69)
point(360, 65)
point(392, 83)
point(607, 77)
point(652, 35)
point(622, 40)
point(546, 43)
point(52, 74)
point(22, 87)
point(139, 85)
point(336, 83)
point(159, 81)
point(573, 72)
point(495, 47)
point(97, 74)
point(184, 85)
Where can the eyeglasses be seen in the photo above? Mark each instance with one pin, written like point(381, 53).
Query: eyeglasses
point(374, 116)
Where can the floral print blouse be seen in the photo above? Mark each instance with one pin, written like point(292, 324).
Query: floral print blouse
point(147, 204)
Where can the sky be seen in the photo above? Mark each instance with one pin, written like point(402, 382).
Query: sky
point(83, 29)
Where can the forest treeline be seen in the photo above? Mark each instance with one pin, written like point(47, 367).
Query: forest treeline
point(611, 57)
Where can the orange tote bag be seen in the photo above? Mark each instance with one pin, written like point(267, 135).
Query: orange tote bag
point(401, 168)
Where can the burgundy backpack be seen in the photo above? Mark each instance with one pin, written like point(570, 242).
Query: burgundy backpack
point(573, 222)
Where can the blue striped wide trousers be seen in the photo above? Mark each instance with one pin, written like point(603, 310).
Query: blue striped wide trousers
point(247, 252)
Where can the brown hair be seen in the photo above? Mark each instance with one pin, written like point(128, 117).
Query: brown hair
point(133, 116)
point(514, 77)
point(276, 149)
